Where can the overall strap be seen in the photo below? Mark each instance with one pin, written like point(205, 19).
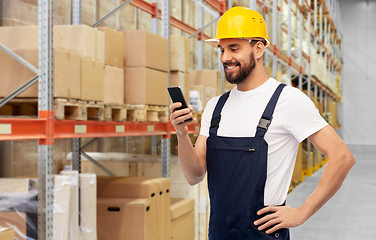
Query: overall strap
point(267, 116)
point(216, 117)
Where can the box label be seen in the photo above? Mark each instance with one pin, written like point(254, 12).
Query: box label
point(150, 128)
point(79, 128)
point(6, 128)
point(120, 129)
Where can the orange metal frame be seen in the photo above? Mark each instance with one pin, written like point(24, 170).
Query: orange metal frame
point(27, 129)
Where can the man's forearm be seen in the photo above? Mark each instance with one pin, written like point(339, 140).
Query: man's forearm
point(190, 164)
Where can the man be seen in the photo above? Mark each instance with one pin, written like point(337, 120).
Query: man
point(249, 139)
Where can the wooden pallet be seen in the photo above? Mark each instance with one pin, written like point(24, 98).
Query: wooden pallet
point(72, 109)
point(20, 107)
point(95, 110)
point(115, 112)
point(157, 114)
point(146, 113)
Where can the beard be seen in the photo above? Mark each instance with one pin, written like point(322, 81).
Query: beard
point(242, 74)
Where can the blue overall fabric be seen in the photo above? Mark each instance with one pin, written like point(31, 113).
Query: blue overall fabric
point(237, 170)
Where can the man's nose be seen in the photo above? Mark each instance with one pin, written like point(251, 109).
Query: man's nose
point(226, 56)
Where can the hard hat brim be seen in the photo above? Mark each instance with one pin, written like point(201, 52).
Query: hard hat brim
point(212, 40)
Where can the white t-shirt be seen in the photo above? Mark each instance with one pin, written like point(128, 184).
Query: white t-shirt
point(295, 118)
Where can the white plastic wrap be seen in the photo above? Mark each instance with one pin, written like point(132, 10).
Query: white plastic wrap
point(74, 231)
point(19, 207)
point(88, 206)
point(62, 196)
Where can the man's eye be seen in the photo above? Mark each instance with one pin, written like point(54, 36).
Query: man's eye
point(222, 50)
point(234, 49)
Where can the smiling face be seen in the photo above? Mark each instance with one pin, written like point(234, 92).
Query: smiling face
point(237, 58)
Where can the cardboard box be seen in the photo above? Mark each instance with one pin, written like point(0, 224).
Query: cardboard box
point(187, 55)
point(7, 234)
point(124, 219)
point(113, 46)
point(207, 78)
point(76, 38)
point(180, 79)
point(119, 168)
point(145, 86)
point(120, 187)
point(145, 49)
point(163, 207)
point(92, 73)
point(15, 220)
point(25, 13)
point(182, 219)
point(14, 74)
point(67, 74)
point(177, 53)
point(100, 45)
point(119, 58)
point(298, 169)
point(113, 85)
point(19, 37)
point(67, 71)
point(13, 185)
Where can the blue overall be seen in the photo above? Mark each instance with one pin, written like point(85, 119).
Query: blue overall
point(237, 169)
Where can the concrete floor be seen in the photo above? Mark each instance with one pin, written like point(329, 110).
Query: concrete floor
point(351, 213)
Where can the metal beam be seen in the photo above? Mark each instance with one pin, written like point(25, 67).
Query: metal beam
point(19, 59)
point(206, 9)
point(214, 4)
point(202, 29)
point(18, 91)
point(76, 154)
point(112, 12)
point(97, 164)
point(88, 144)
point(76, 12)
point(45, 101)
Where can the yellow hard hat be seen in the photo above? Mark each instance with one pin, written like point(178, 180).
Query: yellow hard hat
point(241, 22)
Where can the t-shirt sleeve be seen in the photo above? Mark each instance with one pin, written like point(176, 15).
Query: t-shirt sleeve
point(207, 115)
point(302, 118)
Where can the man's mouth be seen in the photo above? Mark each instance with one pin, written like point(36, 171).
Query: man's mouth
point(231, 68)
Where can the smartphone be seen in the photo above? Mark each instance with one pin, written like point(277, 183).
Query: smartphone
point(177, 96)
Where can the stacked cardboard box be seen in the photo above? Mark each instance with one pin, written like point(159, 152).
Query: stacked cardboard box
point(298, 169)
point(113, 82)
point(78, 61)
point(182, 219)
point(207, 82)
point(7, 234)
point(25, 13)
point(133, 208)
point(19, 194)
point(89, 43)
point(180, 63)
point(145, 68)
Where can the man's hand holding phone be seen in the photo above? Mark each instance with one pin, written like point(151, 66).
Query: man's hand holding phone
point(181, 113)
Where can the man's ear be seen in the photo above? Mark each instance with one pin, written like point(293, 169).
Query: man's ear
point(259, 50)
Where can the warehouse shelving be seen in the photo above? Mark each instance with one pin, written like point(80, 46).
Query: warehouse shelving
point(46, 129)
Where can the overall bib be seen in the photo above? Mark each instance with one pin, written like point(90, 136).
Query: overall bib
point(237, 170)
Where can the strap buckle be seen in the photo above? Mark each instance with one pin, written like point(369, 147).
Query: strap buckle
point(264, 123)
point(215, 122)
